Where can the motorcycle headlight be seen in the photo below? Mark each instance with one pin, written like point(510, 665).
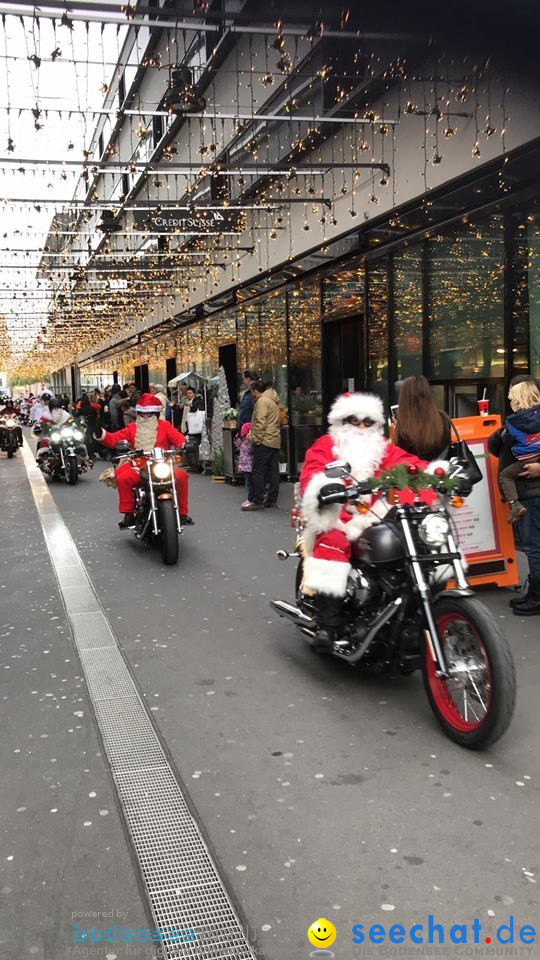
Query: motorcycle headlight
point(67, 432)
point(434, 530)
point(161, 471)
point(10, 423)
point(77, 435)
point(56, 436)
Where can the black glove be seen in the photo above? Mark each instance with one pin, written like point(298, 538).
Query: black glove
point(332, 493)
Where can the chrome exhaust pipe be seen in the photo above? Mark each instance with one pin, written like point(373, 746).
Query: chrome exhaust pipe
point(383, 618)
point(292, 613)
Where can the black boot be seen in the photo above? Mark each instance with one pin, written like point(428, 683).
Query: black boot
point(523, 596)
point(329, 617)
point(127, 522)
point(531, 606)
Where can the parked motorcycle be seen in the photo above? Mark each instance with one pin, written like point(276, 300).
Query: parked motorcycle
point(157, 517)
point(10, 435)
point(399, 616)
point(65, 457)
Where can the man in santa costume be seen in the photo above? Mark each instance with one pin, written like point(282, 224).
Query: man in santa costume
point(145, 433)
point(356, 436)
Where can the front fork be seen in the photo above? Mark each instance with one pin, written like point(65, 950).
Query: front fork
point(425, 598)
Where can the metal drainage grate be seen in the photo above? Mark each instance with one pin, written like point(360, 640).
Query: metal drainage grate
point(184, 889)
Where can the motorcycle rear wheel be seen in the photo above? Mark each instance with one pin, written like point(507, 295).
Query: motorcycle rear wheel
point(168, 536)
point(475, 703)
point(10, 452)
point(71, 470)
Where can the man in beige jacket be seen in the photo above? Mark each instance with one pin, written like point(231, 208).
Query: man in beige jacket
point(158, 390)
point(266, 440)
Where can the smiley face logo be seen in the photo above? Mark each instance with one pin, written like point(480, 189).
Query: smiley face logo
point(321, 933)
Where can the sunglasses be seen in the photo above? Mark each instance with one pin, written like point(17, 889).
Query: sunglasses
point(364, 422)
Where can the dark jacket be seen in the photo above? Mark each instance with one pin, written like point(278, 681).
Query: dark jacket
point(245, 410)
point(500, 445)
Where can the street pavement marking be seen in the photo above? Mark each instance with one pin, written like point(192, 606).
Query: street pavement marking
point(185, 891)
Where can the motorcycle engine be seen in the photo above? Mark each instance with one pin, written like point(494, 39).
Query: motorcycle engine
point(360, 587)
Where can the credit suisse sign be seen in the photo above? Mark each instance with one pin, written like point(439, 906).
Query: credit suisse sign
point(207, 220)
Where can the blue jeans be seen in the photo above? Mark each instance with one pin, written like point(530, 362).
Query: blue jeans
point(529, 534)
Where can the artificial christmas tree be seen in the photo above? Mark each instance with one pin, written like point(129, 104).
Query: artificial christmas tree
point(221, 404)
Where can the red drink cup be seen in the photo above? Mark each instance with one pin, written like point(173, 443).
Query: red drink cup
point(483, 407)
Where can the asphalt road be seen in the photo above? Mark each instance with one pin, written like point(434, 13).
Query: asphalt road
point(323, 792)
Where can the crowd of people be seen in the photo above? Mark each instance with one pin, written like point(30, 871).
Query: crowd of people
point(419, 430)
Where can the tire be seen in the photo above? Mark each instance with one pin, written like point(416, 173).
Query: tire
point(10, 452)
point(489, 693)
point(168, 536)
point(71, 470)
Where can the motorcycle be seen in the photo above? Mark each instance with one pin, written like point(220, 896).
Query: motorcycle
point(399, 617)
point(157, 517)
point(65, 457)
point(10, 435)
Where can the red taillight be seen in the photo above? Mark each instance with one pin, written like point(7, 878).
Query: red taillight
point(295, 516)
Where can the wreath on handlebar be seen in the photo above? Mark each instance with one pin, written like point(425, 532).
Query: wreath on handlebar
point(409, 477)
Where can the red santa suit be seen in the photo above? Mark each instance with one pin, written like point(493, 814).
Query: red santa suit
point(331, 529)
point(166, 437)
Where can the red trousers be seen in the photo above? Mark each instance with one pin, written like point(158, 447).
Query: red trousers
point(127, 479)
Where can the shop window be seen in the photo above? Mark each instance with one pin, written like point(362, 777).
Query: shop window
point(304, 307)
point(408, 312)
point(526, 292)
point(274, 343)
point(466, 301)
point(343, 292)
point(377, 325)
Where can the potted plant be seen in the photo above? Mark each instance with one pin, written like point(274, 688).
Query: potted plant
point(230, 418)
point(217, 467)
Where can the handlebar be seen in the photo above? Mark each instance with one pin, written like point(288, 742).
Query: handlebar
point(146, 453)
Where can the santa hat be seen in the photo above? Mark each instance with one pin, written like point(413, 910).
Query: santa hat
point(147, 403)
point(356, 405)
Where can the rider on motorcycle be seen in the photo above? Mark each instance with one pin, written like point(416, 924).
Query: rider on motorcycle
point(356, 436)
point(147, 432)
point(52, 416)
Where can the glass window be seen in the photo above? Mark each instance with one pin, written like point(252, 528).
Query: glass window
point(408, 311)
point(377, 324)
point(343, 293)
point(304, 305)
point(466, 299)
point(534, 295)
point(274, 343)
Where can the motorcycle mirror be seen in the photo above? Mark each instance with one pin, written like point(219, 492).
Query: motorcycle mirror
point(337, 470)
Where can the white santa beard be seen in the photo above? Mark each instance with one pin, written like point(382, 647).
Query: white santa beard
point(363, 448)
point(146, 433)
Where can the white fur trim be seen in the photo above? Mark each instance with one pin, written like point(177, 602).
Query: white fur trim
point(322, 519)
point(326, 576)
point(436, 464)
point(147, 408)
point(357, 405)
point(355, 527)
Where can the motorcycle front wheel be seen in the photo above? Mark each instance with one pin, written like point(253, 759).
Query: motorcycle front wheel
point(71, 470)
point(168, 536)
point(10, 451)
point(475, 702)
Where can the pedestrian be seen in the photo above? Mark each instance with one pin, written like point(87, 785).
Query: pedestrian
point(245, 460)
point(130, 414)
point(247, 402)
point(116, 420)
point(421, 428)
point(500, 445)
point(158, 390)
point(195, 421)
point(266, 440)
point(523, 425)
point(173, 411)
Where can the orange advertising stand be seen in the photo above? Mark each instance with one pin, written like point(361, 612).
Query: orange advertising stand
point(485, 536)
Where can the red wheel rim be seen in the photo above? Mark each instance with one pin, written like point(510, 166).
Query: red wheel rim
point(465, 703)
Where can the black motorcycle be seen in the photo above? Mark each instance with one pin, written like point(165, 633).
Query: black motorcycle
point(399, 616)
point(65, 457)
point(157, 517)
point(10, 435)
